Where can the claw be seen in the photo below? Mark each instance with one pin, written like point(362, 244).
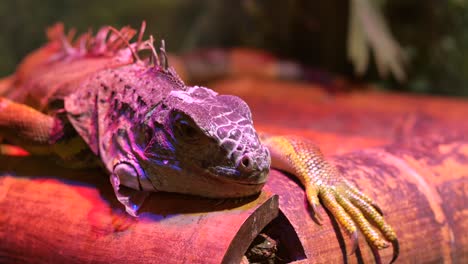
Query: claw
point(316, 214)
point(354, 242)
point(313, 200)
point(376, 254)
point(377, 208)
point(396, 250)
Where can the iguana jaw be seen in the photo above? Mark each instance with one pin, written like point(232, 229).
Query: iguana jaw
point(195, 180)
point(233, 175)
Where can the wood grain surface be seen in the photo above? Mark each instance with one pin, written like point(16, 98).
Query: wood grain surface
point(408, 153)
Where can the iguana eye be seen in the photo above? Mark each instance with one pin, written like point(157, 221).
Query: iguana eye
point(185, 129)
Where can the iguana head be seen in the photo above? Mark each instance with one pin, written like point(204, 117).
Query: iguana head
point(204, 144)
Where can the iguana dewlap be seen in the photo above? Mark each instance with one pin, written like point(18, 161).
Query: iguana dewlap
point(97, 99)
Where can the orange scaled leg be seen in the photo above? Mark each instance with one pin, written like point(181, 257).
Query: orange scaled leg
point(351, 208)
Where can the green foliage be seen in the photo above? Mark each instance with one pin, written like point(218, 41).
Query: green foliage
point(435, 34)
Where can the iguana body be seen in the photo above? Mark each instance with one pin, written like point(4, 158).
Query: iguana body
point(97, 99)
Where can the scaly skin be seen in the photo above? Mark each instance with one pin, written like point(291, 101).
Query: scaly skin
point(322, 180)
point(97, 99)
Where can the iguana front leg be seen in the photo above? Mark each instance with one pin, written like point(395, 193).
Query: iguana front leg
point(38, 133)
point(27, 127)
point(351, 208)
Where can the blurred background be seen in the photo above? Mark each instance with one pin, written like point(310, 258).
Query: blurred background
point(416, 46)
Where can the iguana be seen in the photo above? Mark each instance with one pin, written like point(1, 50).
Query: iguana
point(95, 101)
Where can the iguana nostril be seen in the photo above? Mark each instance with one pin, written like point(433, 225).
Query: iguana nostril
point(245, 161)
point(246, 164)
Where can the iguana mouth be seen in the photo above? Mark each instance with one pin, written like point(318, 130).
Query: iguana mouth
point(230, 174)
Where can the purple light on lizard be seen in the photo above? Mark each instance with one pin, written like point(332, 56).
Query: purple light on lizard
point(156, 134)
point(211, 135)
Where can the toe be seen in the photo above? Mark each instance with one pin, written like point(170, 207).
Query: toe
point(372, 236)
point(340, 214)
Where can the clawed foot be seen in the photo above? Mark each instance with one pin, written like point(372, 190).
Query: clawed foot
point(324, 182)
point(353, 209)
